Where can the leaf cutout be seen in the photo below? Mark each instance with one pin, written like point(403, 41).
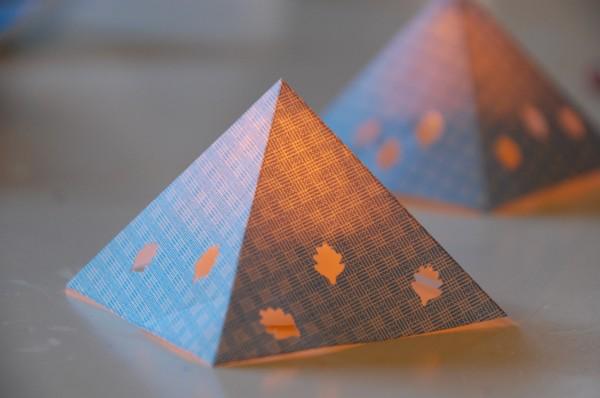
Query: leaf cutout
point(535, 122)
point(508, 153)
point(389, 154)
point(427, 284)
point(205, 263)
point(279, 324)
point(144, 257)
point(328, 263)
point(571, 123)
point(430, 128)
point(366, 133)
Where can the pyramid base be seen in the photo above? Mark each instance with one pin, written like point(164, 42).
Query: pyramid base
point(435, 205)
point(305, 354)
point(317, 352)
point(577, 195)
point(180, 352)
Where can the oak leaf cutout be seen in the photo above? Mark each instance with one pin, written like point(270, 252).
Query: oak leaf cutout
point(328, 263)
point(205, 263)
point(427, 284)
point(279, 324)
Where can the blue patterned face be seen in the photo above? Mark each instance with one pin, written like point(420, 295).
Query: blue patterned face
point(206, 206)
point(452, 110)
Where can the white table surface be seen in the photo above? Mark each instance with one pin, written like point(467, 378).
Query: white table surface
point(100, 112)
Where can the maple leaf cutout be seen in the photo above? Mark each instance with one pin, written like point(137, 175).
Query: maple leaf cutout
point(205, 262)
point(328, 263)
point(279, 324)
point(427, 284)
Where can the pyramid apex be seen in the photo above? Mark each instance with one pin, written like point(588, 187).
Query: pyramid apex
point(286, 86)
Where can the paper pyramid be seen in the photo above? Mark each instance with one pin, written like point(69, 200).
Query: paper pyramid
point(453, 111)
point(276, 240)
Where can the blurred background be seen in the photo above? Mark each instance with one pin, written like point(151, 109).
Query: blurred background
point(103, 103)
point(113, 98)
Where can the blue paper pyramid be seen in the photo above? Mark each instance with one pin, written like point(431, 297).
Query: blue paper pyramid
point(453, 111)
point(277, 240)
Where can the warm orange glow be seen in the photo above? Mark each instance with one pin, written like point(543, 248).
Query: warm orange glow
point(366, 133)
point(427, 284)
point(571, 123)
point(278, 323)
point(145, 257)
point(206, 262)
point(305, 354)
point(328, 263)
point(315, 352)
point(435, 205)
point(430, 128)
point(535, 122)
point(508, 153)
point(389, 153)
point(578, 194)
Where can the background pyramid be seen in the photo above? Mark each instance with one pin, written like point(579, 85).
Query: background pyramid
point(278, 193)
point(453, 110)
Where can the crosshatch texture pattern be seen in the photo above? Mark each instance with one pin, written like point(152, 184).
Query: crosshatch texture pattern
point(207, 204)
point(455, 60)
point(313, 190)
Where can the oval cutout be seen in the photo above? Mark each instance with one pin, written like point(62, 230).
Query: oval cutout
point(534, 122)
point(366, 133)
point(508, 153)
point(389, 154)
point(205, 263)
point(571, 123)
point(430, 128)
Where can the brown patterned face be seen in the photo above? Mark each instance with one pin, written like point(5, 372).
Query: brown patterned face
point(330, 257)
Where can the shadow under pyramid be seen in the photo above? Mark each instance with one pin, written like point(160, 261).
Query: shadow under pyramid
point(452, 112)
point(278, 240)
